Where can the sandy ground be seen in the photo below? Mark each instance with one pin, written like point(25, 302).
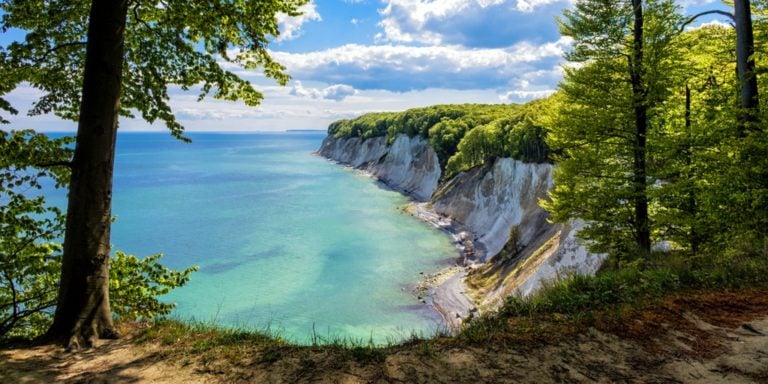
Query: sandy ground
point(119, 361)
point(704, 339)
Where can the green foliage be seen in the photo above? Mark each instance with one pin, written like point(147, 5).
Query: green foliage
point(706, 178)
point(135, 285)
point(603, 171)
point(182, 43)
point(518, 136)
point(578, 294)
point(366, 126)
point(713, 198)
point(463, 136)
point(618, 287)
point(30, 260)
point(175, 43)
point(29, 229)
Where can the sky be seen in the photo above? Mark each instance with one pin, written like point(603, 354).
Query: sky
point(349, 57)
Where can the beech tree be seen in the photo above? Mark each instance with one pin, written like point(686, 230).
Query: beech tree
point(602, 130)
point(97, 60)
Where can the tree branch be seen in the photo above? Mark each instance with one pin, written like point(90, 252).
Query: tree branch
point(696, 16)
point(56, 48)
point(51, 164)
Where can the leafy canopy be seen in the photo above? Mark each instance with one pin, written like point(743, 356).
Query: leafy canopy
point(593, 126)
point(29, 229)
point(193, 45)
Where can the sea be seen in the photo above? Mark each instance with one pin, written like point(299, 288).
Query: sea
point(286, 241)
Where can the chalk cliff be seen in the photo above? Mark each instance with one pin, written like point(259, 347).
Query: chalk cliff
point(491, 201)
point(409, 164)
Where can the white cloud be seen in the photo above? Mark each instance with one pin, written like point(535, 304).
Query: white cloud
point(711, 23)
point(531, 5)
point(532, 85)
point(521, 95)
point(467, 22)
point(337, 92)
point(283, 110)
point(402, 68)
point(690, 3)
point(290, 27)
point(280, 109)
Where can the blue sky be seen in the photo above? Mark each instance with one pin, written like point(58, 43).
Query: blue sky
point(349, 57)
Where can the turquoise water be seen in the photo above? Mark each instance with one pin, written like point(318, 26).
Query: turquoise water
point(285, 239)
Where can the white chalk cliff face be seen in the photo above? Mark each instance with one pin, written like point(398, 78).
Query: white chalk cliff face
point(563, 253)
point(488, 200)
point(409, 164)
point(491, 199)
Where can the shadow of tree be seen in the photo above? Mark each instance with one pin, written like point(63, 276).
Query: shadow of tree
point(111, 361)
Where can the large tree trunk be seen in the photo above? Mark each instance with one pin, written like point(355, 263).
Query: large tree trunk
point(745, 64)
point(83, 312)
point(640, 188)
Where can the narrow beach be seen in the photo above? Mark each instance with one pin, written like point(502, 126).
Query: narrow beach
point(444, 290)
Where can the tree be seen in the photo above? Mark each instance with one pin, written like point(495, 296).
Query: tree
point(603, 127)
point(695, 120)
point(97, 60)
point(745, 62)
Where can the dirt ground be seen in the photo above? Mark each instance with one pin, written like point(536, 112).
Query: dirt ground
point(700, 338)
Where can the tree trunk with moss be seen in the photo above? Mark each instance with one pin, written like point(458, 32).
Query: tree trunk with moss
point(83, 312)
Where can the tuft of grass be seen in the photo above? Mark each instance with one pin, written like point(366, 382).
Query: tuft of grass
point(366, 354)
point(200, 337)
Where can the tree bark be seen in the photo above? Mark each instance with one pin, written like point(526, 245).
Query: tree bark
point(83, 312)
point(745, 64)
point(642, 227)
point(691, 203)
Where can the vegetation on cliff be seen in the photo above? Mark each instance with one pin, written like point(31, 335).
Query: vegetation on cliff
point(688, 171)
point(463, 136)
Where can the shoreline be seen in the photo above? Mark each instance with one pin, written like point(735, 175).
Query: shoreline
point(443, 290)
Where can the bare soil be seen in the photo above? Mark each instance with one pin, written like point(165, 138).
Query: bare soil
point(704, 337)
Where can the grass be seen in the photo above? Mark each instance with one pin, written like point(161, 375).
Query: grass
point(579, 300)
point(210, 342)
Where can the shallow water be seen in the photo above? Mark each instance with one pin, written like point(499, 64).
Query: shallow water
point(285, 239)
